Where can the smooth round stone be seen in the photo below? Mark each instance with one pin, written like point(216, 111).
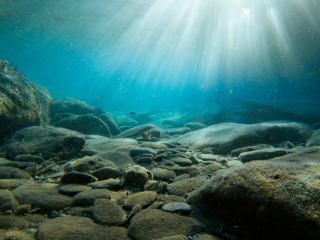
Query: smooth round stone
point(138, 151)
point(181, 161)
point(109, 184)
point(176, 207)
point(161, 173)
point(78, 178)
point(73, 189)
point(106, 173)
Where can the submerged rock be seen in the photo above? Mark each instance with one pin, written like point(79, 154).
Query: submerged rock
point(48, 142)
point(314, 140)
point(107, 118)
point(135, 132)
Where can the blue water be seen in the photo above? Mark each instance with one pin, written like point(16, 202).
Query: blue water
point(138, 54)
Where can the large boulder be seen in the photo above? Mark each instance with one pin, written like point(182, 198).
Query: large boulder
point(261, 110)
point(225, 137)
point(314, 140)
point(85, 124)
point(45, 141)
point(22, 102)
point(275, 199)
point(123, 120)
point(70, 105)
point(135, 132)
point(108, 119)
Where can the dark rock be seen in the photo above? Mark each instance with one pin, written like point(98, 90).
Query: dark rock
point(262, 154)
point(176, 207)
point(29, 158)
point(135, 132)
point(137, 176)
point(261, 110)
point(106, 173)
point(46, 141)
point(170, 198)
point(89, 152)
point(11, 184)
point(154, 223)
point(143, 198)
point(314, 140)
point(238, 151)
point(315, 126)
point(73, 189)
point(279, 197)
point(107, 212)
point(139, 151)
point(85, 124)
point(7, 201)
point(24, 103)
point(14, 164)
point(181, 177)
point(46, 197)
point(77, 177)
point(88, 164)
point(22, 209)
point(225, 137)
point(108, 184)
point(13, 173)
point(118, 158)
point(195, 126)
point(156, 186)
point(137, 208)
point(70, 105)
point(192, 171)
point(107, 119)
point(88, 197)
point(184, 162)
point(182, 187)
point(78, 228)
point(7, 222)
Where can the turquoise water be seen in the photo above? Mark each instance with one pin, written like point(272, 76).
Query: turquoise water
point(144, 54)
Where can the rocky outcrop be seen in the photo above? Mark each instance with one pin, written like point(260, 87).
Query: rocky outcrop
point(22, 103)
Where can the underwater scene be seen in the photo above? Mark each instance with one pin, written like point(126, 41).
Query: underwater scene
point(159, 119)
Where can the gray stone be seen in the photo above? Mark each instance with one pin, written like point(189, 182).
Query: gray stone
point(29, 158)
point(135, 132)
point(7, 201)
point(160, 173)
point(181, 177)
point(176, 207)
point(314, 140)
point(184, 162)
point(170, 198)
point(238, 151)
point(15, 164)
point(195, 126)
point(106, 173)
point(182, 187)
point(143, 198)
point(13, 173)
point(225, 137)
point(211, 168)
point(262, 154)
point(153, 145)
point(22, 209)
point(109, 184)
point(88, 164)
point(118, 158)
point(192, 171)
point(46, 141)
point(123, 120)
point(234, 163)
point(208, 157)
point(154, 223)
point(46, 196)
point(107, 212)
point(88, 197)
point(85, 124)
point(139, 150)
point(107, 119)
point(11, 184)
point(78, 228)
point(157, 186)
point(7, 222)
point(78, 178)
point(140, 160)
point(73, 189)
point(137, 176)
point(137, 208)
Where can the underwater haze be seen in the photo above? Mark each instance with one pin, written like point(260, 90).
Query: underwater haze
point(138, 54)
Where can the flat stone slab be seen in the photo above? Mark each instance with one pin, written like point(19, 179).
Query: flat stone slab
point(176, 207)
point(145, 198)
point(262, 154)
point(224, 137)
point(73, 189)
point(154, 223)
point(184, 162)
point(88, 197)
point(78, 178)
point(107, 184)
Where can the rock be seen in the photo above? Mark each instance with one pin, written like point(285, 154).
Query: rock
point(142, 118)
point(184, 162)
point(109, 184)
point(175, 131)
point(164, 174)
point(181, 177)
point(100, 143)
point(106, 173)
point(29, 158)
point(153, 145)
point(192, 171)
point(123, 120)
point(46, 141)
point(14, 164)
point(225, 137)
point(314, 140)
point(73, 189)
point(15, 234)
point(137, 176)
point(170, 198)
point(88, 197)
point(7, 222)
point(157, 186)
point(118, 158)
point(208, 157)
point(46, 197)
point(78, 228)
point(107, 212)
point(88, 164)
point(135, 132)
point(11, 184)
point(143, 198)
point(175, 237)
point(234, 163)
point(195, 126)
point(22, 209)
point(238, 151)
point(7, 201)
point(70, 105)
point(176, 207)
point(85, 124)
point(140, 151)
point(137, 208)
point(279, 194)
point(77, 177)
point(211, 168)
point(316, 126)
point(194, 159)
point(140, 159)
point(107, 119)
point(262, 154)
point(23, 103)
point(154, 223)
point(261, 110)
point(182, 187)
point(13, 173)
